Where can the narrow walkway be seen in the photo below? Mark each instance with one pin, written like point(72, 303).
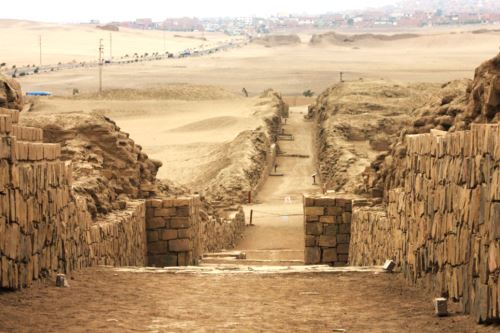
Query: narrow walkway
point(277, 234)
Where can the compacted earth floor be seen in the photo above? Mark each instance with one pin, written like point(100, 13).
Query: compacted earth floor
point(107, 300)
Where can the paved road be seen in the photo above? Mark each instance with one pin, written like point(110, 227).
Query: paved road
point(278, 231)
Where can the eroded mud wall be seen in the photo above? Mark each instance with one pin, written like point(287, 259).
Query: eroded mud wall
point(44, 227)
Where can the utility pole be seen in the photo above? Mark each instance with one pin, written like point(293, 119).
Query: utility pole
point(164, 41)
point(40, 44)
point(110, 46)
point(101, 63)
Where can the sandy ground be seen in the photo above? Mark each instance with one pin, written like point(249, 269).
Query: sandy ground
point(80, 42)
point(110, 301)
point(278, 231)
point(170, 130)
point(294, 69)
point(186, 134)
point(183, 134)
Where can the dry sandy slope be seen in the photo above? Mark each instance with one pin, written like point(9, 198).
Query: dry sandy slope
point(204, 136)
point(356, 121)
point(80, 42)
point(293, 69)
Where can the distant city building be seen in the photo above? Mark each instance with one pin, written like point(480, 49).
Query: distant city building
point(407, 13)
point(144, 23)
point(183, 24)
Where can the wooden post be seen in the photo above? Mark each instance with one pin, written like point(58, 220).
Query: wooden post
point(251, 216)
point(40, 42)
point(101, 63)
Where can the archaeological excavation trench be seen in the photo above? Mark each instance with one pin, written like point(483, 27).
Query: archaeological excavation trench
point(408, 172)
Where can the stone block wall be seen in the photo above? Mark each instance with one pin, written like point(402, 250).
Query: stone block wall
point(44, 228)
point(443, 227)
point(173, 231)
point(118, 239)
point(372, 237)
point(221, 232)
point(327, 225)
point(179, 231)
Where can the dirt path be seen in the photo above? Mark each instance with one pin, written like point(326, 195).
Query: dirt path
point(105, 300)
point(278, 231)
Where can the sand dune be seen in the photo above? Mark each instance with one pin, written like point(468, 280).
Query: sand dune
point(277, 40)
point(344, 39)
point(80, 42)
point(434, 56)
point(211, 124)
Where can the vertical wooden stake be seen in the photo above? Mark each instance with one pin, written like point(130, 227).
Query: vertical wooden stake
point(251, 216)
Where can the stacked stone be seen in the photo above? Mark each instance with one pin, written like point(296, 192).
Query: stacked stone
point(173, 229)
point(221, 232)
point(14, 114)
point(44, 229)
point(327, 224)
point(24, 133)
point(119, 239)
point(444, 224)
point(34, 197)
point(371, 237)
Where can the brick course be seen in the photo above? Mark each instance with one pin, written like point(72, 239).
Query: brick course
point(443, 226)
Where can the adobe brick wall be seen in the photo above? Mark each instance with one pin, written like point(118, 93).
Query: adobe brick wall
point(327, 226)
point(221, 231)
point(179, 231)
point(44, 228)
point(173, 231)
point(443, 227)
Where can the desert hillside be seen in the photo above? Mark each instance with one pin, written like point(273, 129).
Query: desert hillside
point(292, 69)
point(80, 42)
point(203, 181)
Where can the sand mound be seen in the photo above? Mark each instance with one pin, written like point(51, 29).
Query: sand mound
point(340, 39)
point(454, 108)
point(277, 40)
point(107, 164)
point(108, 27)
point(174, 91)
point(191, 37)
point(11, 95)
point(485, 31)
point(358, 120)
point(237, 167)
point(212, 124)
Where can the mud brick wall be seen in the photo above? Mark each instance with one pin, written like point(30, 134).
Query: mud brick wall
point(327, 225)
point(371, 237)
point(443, 227)
point(118, 239)
point(218, 233)
point(44, 228)
point(173, 231)
point(179, 231)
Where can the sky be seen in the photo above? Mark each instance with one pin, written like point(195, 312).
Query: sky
point(71, 11)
